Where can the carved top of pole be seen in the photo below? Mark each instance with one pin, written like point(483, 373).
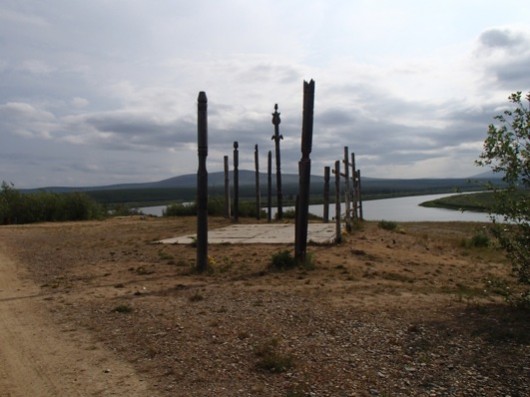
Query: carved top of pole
point(276, 121)
point(236, 145)
point(202, 100)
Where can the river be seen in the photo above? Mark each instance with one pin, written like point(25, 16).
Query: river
point(401, 209)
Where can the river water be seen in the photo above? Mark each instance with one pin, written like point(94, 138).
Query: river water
point(401, 209)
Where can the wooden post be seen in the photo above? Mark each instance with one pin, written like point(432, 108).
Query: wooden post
point(347, 192)
point(236, 182)
point(277, 137)
point(304, 169)
point(202, 183)
point(355, 200)
point(269, 187)
point(326, 194)
point(227, 188)
point(359, 196)
point(338, 235)
point(258, 190)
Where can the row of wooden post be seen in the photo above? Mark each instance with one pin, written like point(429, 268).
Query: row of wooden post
point(351, 194)
point(277, 137)
point(349, 191)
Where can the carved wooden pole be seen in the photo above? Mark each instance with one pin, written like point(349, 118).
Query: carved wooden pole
point(277, 137)
point(258, 190)
point(359, 196)
point(304, 169)
point(326, 194)
point(202, 184)
point(236, 182)
point(269, 186)
point(347, 191)
point(227, 188)
point(355, 206)
point(338, 235)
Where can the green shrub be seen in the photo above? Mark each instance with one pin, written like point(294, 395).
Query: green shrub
point(480, 239)
point(124, 309)
point(16, 207)
point(282, 260)
point(387, 225)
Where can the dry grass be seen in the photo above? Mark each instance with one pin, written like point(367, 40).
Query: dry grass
point(407, 312)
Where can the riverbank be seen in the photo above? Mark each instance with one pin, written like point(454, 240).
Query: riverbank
point(410, 312)
point(477, 202)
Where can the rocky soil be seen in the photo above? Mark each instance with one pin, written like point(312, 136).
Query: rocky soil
point(416, 311)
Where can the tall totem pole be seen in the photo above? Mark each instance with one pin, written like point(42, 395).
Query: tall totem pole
point(277, 137)
point(202, 184)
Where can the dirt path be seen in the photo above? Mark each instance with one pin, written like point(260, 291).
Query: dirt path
point(41, 358)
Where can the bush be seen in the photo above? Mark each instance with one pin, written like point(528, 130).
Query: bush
point(282, 260)
point(480, 240)
point(271, 359)
point(387, 225)
point(507, 151)
point(16, 207)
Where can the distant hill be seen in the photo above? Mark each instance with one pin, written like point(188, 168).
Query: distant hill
point(182, 188)
point(215, 179)
point(488, 175)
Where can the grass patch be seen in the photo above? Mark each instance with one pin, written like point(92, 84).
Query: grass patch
point(282, 260)
point(387, 225)
point(165, 256)
point(271, 359)
point(478, 240)
point(124, 309)
point(196, 297)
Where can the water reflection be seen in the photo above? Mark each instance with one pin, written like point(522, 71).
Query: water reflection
point(402, 209)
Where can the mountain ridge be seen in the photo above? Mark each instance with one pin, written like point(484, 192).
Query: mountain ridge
point(247, 178)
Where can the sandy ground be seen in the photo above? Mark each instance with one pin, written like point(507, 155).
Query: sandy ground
point(98, 309)
point(39, 357)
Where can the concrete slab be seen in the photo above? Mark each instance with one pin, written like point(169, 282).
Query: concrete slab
point(318, 233)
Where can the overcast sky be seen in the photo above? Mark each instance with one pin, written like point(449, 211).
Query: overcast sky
point(105, 91)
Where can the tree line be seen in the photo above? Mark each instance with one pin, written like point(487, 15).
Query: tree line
point(19, 208)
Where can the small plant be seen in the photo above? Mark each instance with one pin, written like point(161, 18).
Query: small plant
point(124, 309)
point(479, 240)
point(388, 225)
point(498, 286)
point(196, 297)
point(271, 359)
point(164, 256)
point(282, 260)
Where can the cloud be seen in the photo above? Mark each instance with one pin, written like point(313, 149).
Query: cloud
point(25, 120)
point(35, 66)
point(505, 54)
point(502, 39)
point(87, 88)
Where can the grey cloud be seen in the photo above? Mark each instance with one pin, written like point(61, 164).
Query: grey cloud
point(26, 120)
point(501, 38)
point(337, 117)
point(132, 131)
point(515, 74)
point(505, 55)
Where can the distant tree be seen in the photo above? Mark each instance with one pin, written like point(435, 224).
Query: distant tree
point(507, 151)
point(17, 207)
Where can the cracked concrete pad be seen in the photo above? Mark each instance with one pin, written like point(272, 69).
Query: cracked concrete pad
point(318, 233)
